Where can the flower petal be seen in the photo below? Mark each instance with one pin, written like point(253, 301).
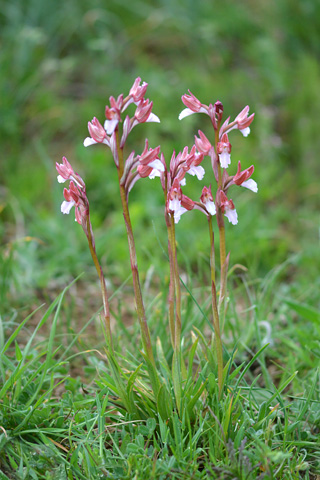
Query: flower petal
point(89, 141)
point(110, 126)
point(225, 159)
point(232, 215)
point(174, 204)
point(185, 113)
point(245, 131)
point(198, 171)
point(211, 207)
point(178, 213)
point(155, 173)
point(157, 164)
point(61, 179)
point(153, 118)
point(250, 184)
point(66, 206)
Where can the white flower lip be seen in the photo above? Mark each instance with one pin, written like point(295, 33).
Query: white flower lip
point(153, 118)
point(66, 206)
point(197, 171)
point(88, 141)
point(178, 213)
point(232, 216)
point(225, 159)
point(157, 164)
point(245, 131)
point(210, 206)
point(174, 204)
point(185, 113)
point(110, 126)
point(250, 184)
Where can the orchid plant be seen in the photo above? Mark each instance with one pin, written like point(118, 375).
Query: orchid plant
point(213, 203)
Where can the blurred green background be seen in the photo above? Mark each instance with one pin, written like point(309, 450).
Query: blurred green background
point(61, 60)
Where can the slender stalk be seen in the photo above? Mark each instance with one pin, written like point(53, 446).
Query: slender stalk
point(106, 309)
point(171, 284)
point(222, 237)
point(177, 331)
point(212, 253)
point(145, 334)
point(215, 313)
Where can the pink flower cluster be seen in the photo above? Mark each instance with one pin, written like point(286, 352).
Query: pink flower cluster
point(75, 196)
point(143, 113)
point(220, 155)
point(152, 164)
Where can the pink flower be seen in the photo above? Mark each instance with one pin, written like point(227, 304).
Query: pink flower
point(66, 172)
point(193, 167)
point(228, 208)
point(143, 113)
point(193, 106)
point(243, 121)
point(138, 92)
point(207, 200)
point(186, 162)
point(97, 134)
point(149, 163)
point(202, 143)
point(241, 178)
point(178, 203)
point(75, 198)
point(224, 150)
point(113, 114)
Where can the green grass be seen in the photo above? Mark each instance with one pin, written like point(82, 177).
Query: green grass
point(61, 416)
point(59, 425)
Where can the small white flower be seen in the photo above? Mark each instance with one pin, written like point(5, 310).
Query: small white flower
point(61, 179)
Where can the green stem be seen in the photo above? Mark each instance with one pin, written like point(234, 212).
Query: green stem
point(215, 313)
point(177, 331)
point(106, 309)
point(171, 284)
point(222, 237)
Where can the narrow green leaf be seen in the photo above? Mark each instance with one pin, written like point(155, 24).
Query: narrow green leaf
point(307, 312)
